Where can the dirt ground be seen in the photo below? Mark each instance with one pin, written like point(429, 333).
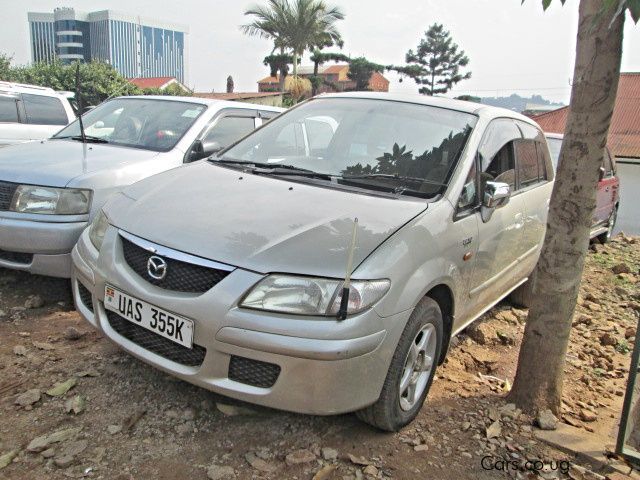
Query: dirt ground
point(111, 416)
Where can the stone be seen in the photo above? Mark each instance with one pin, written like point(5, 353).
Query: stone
point(588, 415)
point(64, 461)
point(480, 332)
point(113, 429)
point(358, 460)
point(28, 398)
point(506, 338)
point(61, 388)
point(72, 334)
point(74, 448)
point(43, 345)
point(546, 420)
point(49, 453)
point(33, 301)
point(233, 410)
point(217, 472)
point(43, 442)
point(7, 458)
point(329, 454)
point(188, 414)
point(421, 448)
point(370, 470)
point(494, 430)
point(299, 456)
point(75, 405)
point(608, 339)
point(20, 350)
point(258, 463)
point(621, 268)
point(324, 473)
point(629, 333)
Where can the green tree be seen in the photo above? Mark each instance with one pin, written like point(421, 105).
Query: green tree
point(556, 281)
point(295, 25)
point(360, 71)
point(318, 58)
point(5, 67)
point(436, 63)
point(171, 90)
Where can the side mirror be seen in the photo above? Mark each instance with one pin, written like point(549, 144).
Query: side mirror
point(201, 150)
point(496, 195)
point(601, 173)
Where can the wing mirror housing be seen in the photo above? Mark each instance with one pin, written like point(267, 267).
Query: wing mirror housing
point(601, 173)
point(201, 149)
point(496, 195)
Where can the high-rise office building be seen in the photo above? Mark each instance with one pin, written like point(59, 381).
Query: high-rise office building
point(135, 46)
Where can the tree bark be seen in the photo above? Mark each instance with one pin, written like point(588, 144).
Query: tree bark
point(540, 373)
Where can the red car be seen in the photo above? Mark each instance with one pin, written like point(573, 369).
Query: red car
point(608, 196)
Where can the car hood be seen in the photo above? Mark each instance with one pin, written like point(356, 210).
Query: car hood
point(56, 162)
point(259, 223)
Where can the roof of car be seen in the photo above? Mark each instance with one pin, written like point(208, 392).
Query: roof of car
point(14, 88)
point(442, 102)
point(206, 101)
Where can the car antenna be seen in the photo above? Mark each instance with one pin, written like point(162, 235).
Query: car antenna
point(79, 97)
point(346, 286)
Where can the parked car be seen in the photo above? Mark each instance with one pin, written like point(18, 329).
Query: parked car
point(608, 194)
point(50, 190)
point(29, 112)
point(229, 273)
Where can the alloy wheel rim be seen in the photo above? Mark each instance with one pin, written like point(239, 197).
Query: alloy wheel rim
point(417, 367)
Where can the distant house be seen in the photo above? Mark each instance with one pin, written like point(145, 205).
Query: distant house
point(273, 99)
point(624, 133)
point(157, 82)
point(335, 79)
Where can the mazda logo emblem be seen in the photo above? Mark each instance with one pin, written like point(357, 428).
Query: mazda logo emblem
point(157, 268)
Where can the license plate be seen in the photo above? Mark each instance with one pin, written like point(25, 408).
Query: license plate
point(166, 324)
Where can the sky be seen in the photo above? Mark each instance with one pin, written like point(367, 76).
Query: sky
point(512, 48)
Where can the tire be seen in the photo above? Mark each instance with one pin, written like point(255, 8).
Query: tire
point(523, 295)
point(392, 411)
point(606, 236)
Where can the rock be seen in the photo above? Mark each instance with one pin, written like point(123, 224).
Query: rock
point(72, 334)
point(329, 454)
point(358, 460)
point(507, 316)
point(188, 414)
point(186, 427)
point(43, 346)
point(480, 332)
point(28, 398)
point(299, 456)
point(629, 332)
point(49, 453)
point(506, 338)
point(75, 405)
point(217, 472)
point(494, 430)
point(608, 339)
point(60, 389)
point(3, 313)
point(621, 268)
point(43, 442)
point(576, 472)
point(370, 470)
point(421, 448)
point(34, 301)
point(546, 420)
point(587, 415)
point(510, 411)
point(258, 463)
point(74, 448)
point(324, 473)
point(621, 291)
point(113, 429)
point(20, 350)
point(64, 461)
point(7, 458)
point(233, 410)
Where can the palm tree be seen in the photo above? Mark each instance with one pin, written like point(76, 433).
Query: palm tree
point(297, 25)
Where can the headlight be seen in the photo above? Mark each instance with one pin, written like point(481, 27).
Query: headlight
point(97, 229)
point(50, 200)
point(312, 296)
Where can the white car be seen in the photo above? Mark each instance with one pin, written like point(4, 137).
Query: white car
point(29, 112)
point(50, 189)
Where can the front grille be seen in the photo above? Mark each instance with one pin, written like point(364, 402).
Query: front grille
point(191, 357)
point(253, 372)
point(181, 276)
point(6, 194)
point(85, 297)
point(16, 257)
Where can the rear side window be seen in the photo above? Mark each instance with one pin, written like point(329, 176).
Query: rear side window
point(43, 110)
point(527, 163)
point(554, 146)
point(8, 110)
point(228, 130)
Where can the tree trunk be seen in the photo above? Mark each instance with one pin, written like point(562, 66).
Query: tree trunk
point(539, 377)
point(314, 85)
point(295, 64)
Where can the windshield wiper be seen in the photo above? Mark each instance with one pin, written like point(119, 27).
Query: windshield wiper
point(393, 177)
point(262, 168)
point(88, 138)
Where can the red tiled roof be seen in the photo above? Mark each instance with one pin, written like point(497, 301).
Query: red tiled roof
point(332, 69)
point(269, 80)
point(151, 82)
point(235, 95)
point(624, 133)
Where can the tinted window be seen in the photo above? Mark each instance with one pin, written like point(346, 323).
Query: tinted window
point(8, 110)
point(496, 155)
point(229, 129)
point(527, 162)
point(544, 161)
point(43, 110)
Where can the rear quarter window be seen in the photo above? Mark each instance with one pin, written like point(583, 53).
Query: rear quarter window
point(42, 110)
point(8, 110)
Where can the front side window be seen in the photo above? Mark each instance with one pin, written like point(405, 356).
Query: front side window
point(228, 130)
point(8, 110)
point(43, 110)
point(496, 153)
point(148, 124)
point(365, 143)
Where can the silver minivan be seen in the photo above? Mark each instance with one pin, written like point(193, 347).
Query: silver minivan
point(322, 264)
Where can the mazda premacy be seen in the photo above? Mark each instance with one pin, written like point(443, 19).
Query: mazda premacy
point(322, 263)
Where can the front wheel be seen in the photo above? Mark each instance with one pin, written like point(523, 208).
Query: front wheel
point(606, 236)
point(411, 371)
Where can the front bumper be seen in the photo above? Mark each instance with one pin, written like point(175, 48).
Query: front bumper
point(40, 247)
point(323, 366)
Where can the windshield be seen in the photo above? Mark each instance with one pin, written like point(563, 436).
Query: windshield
point(367, 143)
point(554, 148)
point(149, 124)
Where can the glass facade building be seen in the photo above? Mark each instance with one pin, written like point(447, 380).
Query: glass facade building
point(135, 46)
